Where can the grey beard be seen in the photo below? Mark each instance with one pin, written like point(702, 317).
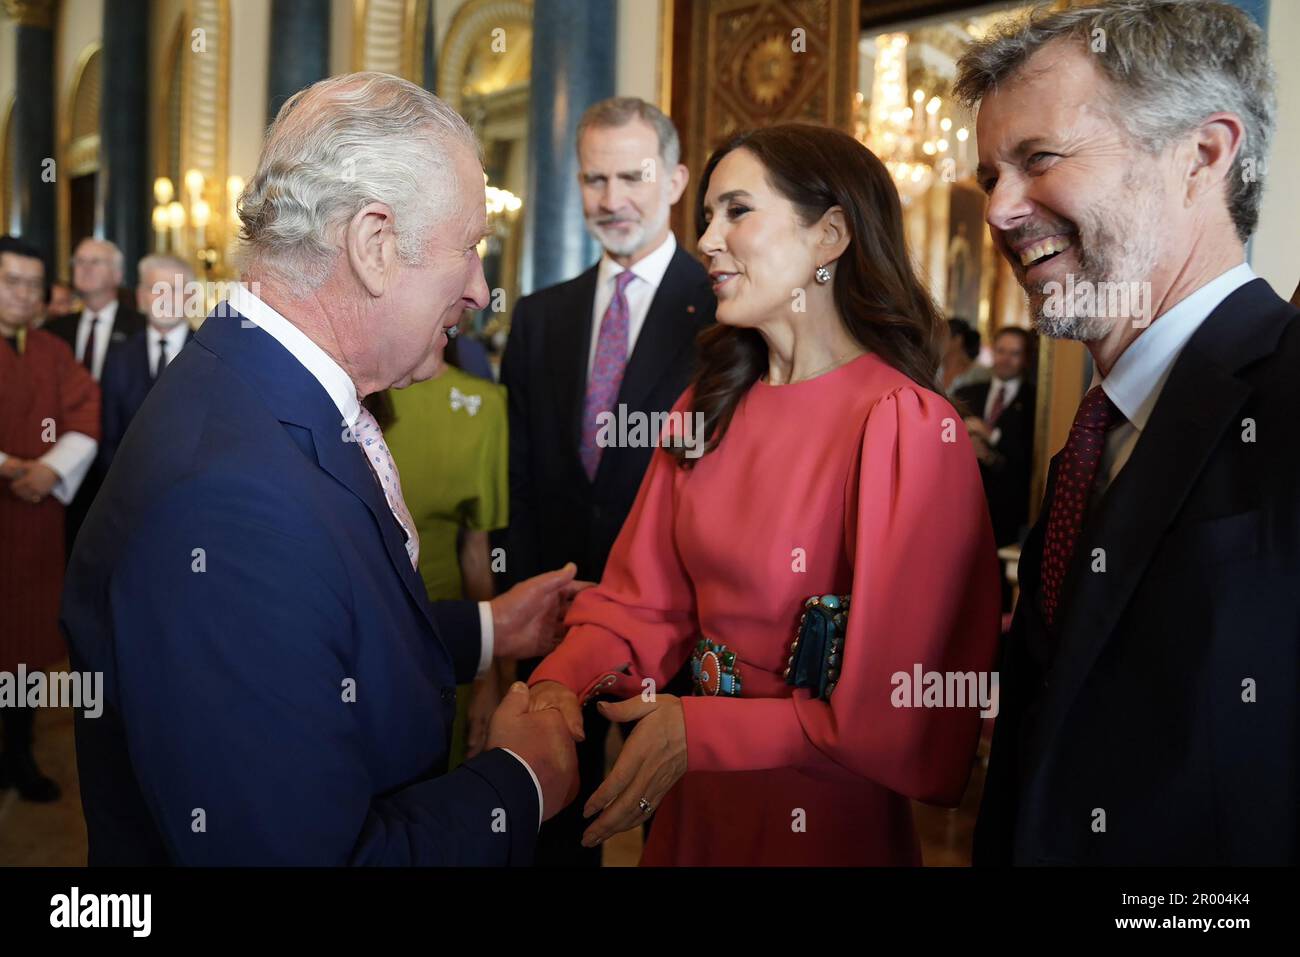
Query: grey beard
point(630, 245)
point(1105, 258)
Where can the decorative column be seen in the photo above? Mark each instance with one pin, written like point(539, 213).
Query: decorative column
point(1258, 10)
point(300, 49)
point(126, 189)
point(430, 48)
point(573, 67)
point(35, 173)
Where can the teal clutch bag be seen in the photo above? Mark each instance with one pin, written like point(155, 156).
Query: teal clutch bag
point(818, 648)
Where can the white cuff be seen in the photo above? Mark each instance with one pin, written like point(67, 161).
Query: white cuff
point(536, 783)
point(70, 458)
point(995, 437)
point(488, 637)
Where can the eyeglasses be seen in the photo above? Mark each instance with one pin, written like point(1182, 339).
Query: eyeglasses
point(18, 282)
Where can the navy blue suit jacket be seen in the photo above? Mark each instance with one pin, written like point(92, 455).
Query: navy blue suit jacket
point(278, 688)
point(124, 383)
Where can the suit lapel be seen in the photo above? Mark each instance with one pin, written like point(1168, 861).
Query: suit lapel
point(670, 326)
point(342, 458)
point(296, 398)
point(1198, 404)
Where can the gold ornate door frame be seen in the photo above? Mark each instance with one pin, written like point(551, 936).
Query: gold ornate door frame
point(758, 63)
point(737, 64)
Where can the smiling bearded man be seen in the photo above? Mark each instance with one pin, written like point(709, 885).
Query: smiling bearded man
point(1148, 710)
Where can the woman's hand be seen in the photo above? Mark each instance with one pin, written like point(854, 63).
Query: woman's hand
point(652, 760)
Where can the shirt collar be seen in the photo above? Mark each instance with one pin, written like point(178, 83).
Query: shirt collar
point(1139, 375)
point(172, 335)
point(651, 268)
point(313, 358)
point(109, 312)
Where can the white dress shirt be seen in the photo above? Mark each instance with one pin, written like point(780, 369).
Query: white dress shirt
point(175, 339)
point(103, 334)
point(338, 384)
point(70, 458)
point(640, 293)
point(1138, 376)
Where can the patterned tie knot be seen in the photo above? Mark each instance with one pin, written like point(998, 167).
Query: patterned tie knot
point(1097, 413)
point(622, 280)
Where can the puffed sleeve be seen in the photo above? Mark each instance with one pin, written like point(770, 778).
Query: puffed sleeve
point(639, 621)
point(925, 595)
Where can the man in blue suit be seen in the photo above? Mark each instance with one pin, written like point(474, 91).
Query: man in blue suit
point(132, 367)
point(278, 689)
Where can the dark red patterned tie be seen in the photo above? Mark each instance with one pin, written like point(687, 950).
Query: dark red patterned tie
point(999, 402)
point(1076, 471)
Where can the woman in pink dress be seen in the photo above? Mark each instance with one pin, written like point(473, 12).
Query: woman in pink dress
point(831, 468)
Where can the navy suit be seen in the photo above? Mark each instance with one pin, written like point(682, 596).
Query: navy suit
point(278, 688)
point(125, 382)
point(1129, 731)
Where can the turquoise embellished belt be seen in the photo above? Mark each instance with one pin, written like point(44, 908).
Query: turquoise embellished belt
point(714, 669)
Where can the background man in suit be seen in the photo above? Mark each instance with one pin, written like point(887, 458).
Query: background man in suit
point(1002, 432)
point(1148, 687)
point(277, 687)
point(97, 270)
point(132, 367)
point(621, 334)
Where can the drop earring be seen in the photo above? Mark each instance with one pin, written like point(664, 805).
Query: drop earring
point(822, 275)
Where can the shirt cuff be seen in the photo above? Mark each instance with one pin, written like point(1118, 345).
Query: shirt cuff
point(536, 783)
point(487, 638)
point(70, 458)
point(995, 437)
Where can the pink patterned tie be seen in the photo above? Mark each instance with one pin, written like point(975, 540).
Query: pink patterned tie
point(380, 460)
point(606, 372)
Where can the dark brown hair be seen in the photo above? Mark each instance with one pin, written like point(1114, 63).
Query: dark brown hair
point(883, 304)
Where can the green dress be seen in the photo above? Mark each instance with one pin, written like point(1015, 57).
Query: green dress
point(451, 444)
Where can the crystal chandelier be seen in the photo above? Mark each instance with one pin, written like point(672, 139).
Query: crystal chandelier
point(907, 131)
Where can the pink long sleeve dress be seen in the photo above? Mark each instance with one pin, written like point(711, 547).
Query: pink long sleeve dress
point(855, 482)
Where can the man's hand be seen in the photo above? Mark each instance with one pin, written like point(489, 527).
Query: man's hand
point(484, 696)
point(652, 760)
point(976, 427)
point(552, 695)
point(980, 438)
point(12, 468)
point(35, 483)
point(528, 620)
point(541, 739)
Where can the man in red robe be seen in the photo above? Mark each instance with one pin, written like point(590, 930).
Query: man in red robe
point(49, 432)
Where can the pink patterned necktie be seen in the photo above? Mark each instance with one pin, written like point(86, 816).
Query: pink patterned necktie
point(1075, 474)
point(606, 372)
point(371, 440)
